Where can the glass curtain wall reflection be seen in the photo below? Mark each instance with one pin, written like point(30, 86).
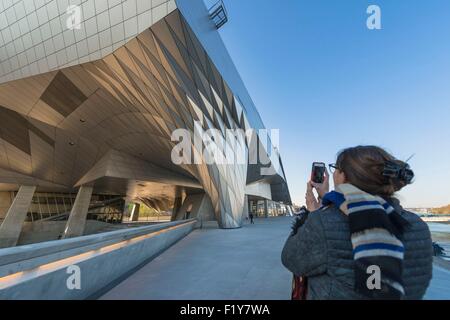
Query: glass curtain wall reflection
point(274, 209)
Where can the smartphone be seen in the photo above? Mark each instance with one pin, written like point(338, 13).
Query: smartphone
point(318, 172)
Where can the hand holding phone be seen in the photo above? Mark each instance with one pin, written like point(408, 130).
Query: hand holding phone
point(318, 172)
point(320, 179)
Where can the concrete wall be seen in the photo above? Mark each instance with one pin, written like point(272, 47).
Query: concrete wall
point(199, 205)
point(259, 189)
point(40, 271)
point(201, 208)
point(40, 231)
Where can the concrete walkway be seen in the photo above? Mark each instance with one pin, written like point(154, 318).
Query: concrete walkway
point(439, 288)
point(218, 264)
point(241, 264)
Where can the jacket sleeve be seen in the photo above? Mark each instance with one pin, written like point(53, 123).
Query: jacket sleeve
point(305, 253)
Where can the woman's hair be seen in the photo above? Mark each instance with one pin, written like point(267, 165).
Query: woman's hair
point(365, 167)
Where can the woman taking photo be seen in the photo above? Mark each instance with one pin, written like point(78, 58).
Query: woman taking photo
point(358, 242)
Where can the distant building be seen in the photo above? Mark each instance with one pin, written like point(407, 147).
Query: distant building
point(420, 210)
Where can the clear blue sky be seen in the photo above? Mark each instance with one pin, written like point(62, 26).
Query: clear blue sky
point(318, 74)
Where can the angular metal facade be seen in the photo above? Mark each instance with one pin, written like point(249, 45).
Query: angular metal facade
point(108, 122)
point(34, 37)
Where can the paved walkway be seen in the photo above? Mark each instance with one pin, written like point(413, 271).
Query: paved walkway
point(440, 285)
point(241, 264)
point(218, 264)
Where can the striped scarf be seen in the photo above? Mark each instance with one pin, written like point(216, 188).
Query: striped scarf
point(376, 229)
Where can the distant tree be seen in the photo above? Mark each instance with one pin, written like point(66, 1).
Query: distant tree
point(441, 210)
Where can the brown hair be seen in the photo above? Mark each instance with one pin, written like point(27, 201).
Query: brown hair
point(363, 167)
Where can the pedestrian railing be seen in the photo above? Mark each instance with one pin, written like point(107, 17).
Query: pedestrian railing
point(80, 268)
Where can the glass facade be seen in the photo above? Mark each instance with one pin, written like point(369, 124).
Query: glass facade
point(274, 209)
point(57, 206)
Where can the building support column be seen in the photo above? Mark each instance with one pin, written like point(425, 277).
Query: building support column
point(77, 219)
point(12, 225)
point(245, 212)
point(176, 207)
point(289, 210)
point(6, 200)
point(135, 212)
point(266, 208)
point(128, 209)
